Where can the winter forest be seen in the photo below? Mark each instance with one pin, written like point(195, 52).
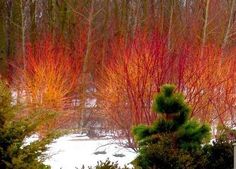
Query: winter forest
point(158, 77)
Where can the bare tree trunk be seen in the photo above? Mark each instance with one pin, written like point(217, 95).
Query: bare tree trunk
point(25, 24)
point(204, 35)
point(8, 27)
point(105, 30)
point(229, 26)
point(85, 73)
point(135, 12)
point(89, 43)
point(52, 17)
point(40, 12)
point(170, 26)
point(23, 32)
point(162, 17)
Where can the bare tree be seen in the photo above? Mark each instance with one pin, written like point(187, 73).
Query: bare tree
point(204, 33)
point(229, 26)
point(85, 73)
point(25, 24)
point(170, 24)
point(40, 14)
point(8, 26)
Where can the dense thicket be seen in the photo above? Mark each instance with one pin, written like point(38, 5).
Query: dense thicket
point(127, 50)
point(139, 70)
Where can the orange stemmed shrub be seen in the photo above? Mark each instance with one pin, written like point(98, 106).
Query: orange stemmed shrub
point(50, 76)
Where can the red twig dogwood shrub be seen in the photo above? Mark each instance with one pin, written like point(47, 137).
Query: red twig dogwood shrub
point(208, 83)
point(129, 81)
point(136, 71)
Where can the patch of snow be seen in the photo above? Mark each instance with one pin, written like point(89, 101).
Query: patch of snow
point(28, 140)
point(14, 96)
point(74, 150)
point(91, 103)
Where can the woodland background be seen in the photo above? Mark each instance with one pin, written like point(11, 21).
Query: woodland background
point(97, 63)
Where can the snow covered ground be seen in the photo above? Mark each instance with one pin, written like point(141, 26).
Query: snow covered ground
point(74, 150)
